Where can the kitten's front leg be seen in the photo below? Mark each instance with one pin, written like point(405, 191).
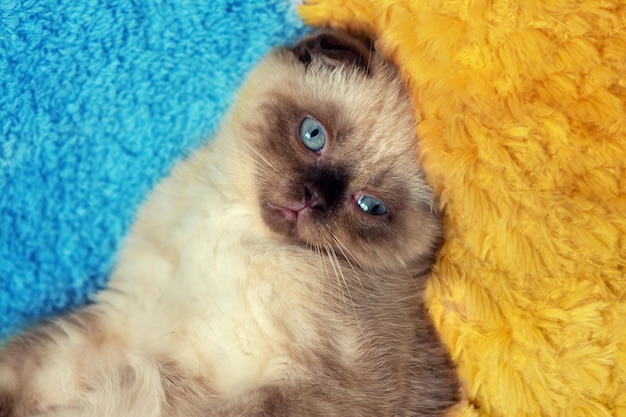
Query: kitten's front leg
point(39, 369)
point(64, 367)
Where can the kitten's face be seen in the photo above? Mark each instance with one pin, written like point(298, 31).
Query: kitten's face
point(333, 131)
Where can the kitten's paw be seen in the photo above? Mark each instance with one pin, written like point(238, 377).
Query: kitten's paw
point(6, 404)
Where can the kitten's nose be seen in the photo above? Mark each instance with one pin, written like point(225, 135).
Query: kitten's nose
point(324, 187)
point(313, 197)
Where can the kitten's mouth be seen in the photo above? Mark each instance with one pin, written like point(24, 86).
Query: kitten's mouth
point(285, 217)
point(289, 217)
point(290, 212)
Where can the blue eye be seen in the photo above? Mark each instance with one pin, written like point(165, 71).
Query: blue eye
point(312, 134)
point(371, 205)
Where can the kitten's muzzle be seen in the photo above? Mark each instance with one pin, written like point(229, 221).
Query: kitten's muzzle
point(315, 195)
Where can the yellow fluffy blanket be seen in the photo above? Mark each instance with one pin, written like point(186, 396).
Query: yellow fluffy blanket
point(522, 109)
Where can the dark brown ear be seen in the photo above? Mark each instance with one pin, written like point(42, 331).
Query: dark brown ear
point(335, 48)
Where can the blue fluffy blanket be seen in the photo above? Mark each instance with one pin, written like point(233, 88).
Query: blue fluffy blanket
point(97, 101)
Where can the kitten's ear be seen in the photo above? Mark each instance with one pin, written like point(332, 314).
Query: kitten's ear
point(335, 48)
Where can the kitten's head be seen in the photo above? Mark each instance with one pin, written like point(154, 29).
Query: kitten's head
point(332, 128)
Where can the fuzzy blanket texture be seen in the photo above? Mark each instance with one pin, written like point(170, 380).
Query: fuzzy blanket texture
point(522, 108)
point(97, 101)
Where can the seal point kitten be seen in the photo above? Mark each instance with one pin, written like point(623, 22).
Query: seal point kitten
point(276, 272)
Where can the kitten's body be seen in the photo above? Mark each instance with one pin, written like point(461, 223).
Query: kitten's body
point(236, 296)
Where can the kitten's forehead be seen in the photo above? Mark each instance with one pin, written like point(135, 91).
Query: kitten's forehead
point(369, 117)
point(334, 49)
point(374, 106)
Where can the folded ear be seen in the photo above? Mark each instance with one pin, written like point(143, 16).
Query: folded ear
point(335, 48)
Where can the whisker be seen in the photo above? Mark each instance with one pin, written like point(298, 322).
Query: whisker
point(345, 248)
point(371, 52)
point(345, 252)
point(237, 162)
point(411, 276)
point(250, 158)
point(263, 158)
point(332, 263)
point(342, 279)
point(323, 267)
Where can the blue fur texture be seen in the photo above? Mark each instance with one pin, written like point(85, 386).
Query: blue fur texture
point(97, 102)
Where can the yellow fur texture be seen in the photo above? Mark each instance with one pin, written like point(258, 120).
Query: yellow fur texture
point(522, 108)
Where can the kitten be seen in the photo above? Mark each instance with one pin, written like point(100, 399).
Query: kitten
point(277, 272)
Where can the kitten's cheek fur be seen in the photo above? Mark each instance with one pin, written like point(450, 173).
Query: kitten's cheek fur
point(278, 221)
